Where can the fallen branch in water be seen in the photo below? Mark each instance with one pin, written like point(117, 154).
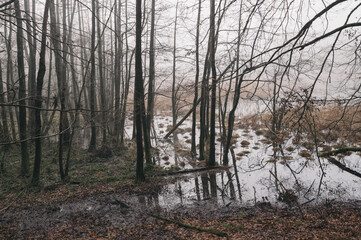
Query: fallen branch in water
point(210, 230)
point(343, 167)
point(328, 155)
point(185, 171)
point(340, 150)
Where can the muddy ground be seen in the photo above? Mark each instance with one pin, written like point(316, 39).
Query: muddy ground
point(114, 215)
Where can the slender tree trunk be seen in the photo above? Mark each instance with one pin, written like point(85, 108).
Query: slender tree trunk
point(212, 142)
point(73, 63)
point(101, 78)
point(83, 55)
point(194, 115)
point(32, 65)
point(117, 69)
point(146, 126)
point(174, 91)
point(139, 92)
point(46, 113)
point(236, 96)
point(3, 110)
point(150, 109)
point(55, 33)
point(203, 110)
point(22, 92)
point(65, 73)
point(92, 145)
point(128, 67)
point(9, 77)
point(38, 100)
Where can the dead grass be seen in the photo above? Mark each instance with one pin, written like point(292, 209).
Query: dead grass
point(245, 143)
point(305, 154)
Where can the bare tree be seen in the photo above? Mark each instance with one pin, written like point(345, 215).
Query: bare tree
point(38, 100)
point(5, 127)
point(212, 147)
point(101, 76)
point(150, 108)
point(194, 115)
point(22, 92)
point(174, 87)
point(61, 84)
point(139, 93)
point(93, 138)
point(31, 39)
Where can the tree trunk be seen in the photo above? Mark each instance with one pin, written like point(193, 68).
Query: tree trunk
point(202, 114)
point(55, 33)
point(32, 66)
point(146, 127)
point(92, 144)
point(5, 127)
point(22, 92)
point(9, 78)
point(174, 91)
point(228, 136)
point(212, 142)
point(194, 116)
point(139, 92)
point(128, 68)
point(117, 68)
point(101, 78)
point(38, 100)
point(151, 83)
point(65, 74)
point(83, 55)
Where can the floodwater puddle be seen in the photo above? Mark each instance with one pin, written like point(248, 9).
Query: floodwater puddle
point(255, 176)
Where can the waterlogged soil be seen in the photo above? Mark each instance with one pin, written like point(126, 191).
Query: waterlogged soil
point(120, 216)
point(262, 195)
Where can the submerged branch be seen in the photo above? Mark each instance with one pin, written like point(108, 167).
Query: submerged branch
point(340, 150)
point(195, 170)
point(343, 167)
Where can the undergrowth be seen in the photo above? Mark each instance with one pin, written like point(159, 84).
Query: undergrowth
point(88, 173)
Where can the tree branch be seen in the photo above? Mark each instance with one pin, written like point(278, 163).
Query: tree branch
point(7, 3)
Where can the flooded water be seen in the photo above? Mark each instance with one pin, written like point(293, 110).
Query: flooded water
point(254, 177)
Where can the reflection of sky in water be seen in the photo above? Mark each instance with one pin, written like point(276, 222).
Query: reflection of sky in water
point(254, 179)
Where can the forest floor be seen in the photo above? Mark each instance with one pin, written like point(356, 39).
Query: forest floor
point(116, 215)
point(102, 201)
